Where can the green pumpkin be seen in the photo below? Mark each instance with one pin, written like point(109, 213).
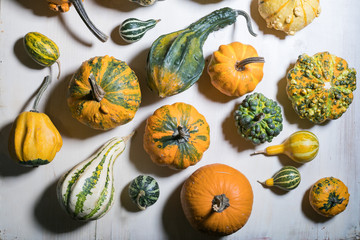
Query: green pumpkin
point(144, 191)
point(175, 61)
point(258, 118)
point(287, 178)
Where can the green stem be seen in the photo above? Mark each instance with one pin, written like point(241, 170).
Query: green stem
point(44, 85)
point(181, 135)
point(248, 21)
point(220, 203)
point(240, 65)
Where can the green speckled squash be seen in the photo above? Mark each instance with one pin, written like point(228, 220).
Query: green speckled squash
point(287, 178)
point(104, 93)
point(175, 61)
point(133, 29)
point(329, 196)
point(258, 118)
point(144, 191)
point(320, 87)
point(86, 192)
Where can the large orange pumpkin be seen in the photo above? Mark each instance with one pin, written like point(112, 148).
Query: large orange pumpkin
point(217, 199)
point(235, 69)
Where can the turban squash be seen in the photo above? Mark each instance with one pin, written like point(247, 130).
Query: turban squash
point(217, 199)
point(176, 136)
point(321, 87)
point(235, 69)
point(104, 93)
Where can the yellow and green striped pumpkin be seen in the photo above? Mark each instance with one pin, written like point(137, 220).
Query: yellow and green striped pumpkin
point(104, 93)
point(287, 178)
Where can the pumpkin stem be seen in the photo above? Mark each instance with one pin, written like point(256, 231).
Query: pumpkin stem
point(181, 134)
point(240, 65)
point(126, 138)
point(58, 63)
point(97, 92)
point(81, 11)
point(248, 21)
point(220, 203)
point(141, 194)
point(44, 85)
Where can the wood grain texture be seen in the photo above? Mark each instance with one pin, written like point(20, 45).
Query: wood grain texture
point(29, 207)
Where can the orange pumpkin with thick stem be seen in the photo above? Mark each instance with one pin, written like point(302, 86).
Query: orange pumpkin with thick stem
point(235, 69)
point(176, 136)
point(217, 199)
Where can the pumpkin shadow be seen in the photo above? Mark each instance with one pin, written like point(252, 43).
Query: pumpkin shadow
point(38, 7)
point(138, 65)
point(309, 212)
point(118, 5)
point(208, 90)
point(175, 224)
point(75, 35)
point(125, 200)
point(23, 56)
point(58, 111)
point(8, 167)
point(255, 15)
point(56, 220)
point(274, 189)
point(142, 160)
point(232, 136)
point(207, 1)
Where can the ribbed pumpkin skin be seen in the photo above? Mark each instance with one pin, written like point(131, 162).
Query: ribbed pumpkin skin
point(122, 98)
point(226, 77)
point(289, 16)
point(303, 146)
point(287, 178)
point(133, 29)
point(34, 140)
point(144, 191)
point(86, 192)
point(320, 87)
point(329, 196)
point(41, 48)
point(163, 143)
point(175, 61)
point(203, 185)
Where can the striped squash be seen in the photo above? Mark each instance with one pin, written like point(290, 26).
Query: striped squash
point(287, 178)
point(104, 93)
point(133, 29)
point(86, 192)
point(301, 147)
point(144, 191)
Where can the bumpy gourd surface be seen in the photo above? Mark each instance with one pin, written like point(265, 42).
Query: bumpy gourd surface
point(320, 87)
point(289, 16)
point(258, 118)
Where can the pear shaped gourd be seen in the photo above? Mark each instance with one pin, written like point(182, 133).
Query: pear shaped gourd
point(301, 147)
point(86, 192)
point(287, 178)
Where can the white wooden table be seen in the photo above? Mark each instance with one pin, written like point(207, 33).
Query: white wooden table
point(28, 203)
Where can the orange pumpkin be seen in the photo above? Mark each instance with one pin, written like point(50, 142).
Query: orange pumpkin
point(217, 199)
point(235, 69)
point(176, 136)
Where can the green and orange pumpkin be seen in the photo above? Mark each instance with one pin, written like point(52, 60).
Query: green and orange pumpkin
point(104, 93)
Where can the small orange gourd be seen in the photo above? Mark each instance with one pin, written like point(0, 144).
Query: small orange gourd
point(236, 69)
point(217, 199)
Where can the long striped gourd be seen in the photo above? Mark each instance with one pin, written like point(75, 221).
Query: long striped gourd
point(144, 191)
point(301, 147)
point(287, 178)
point(175, 61)
point(133, 29)
point(86, 192)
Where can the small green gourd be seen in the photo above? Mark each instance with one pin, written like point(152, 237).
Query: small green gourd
point(287, 178)
point(133, 29)
point(42, 49)
point(144, 191)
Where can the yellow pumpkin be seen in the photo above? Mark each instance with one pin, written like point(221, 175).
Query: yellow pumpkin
point(235, 69)
point(34, 140)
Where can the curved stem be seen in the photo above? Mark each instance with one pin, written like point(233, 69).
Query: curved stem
point(58, 63)
point(240, 65)
point(248, 21)
point(44, 85)
point(141, 194)
point(97, 92)
point(81, 11)
point(220, 203)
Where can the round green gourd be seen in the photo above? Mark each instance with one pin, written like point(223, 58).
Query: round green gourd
point(144, 191)
point(287, 178)
point(133, 29)
point(258, 118)
point(42, 49)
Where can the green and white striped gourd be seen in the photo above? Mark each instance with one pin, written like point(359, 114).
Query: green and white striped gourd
point(86, 192)
point(144, 3)
point(133, 29)
point(287, 178)
point(144, 191)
